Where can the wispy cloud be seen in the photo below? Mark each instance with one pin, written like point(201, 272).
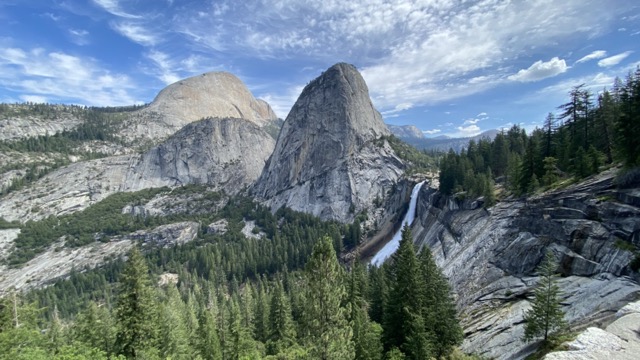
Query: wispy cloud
point(540, 70)
point(136, 33)
point(163, 67)
point(79, 36)
point(614, 60)
point(432, 132)
point(113, 7)
point(598, 54)
point(59, 76)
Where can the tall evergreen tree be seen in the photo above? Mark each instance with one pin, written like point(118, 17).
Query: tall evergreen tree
point(282, 333)
point(136, 312)
point(439, 309)
point(545, 318)
point(326, 329)
point(404, 325)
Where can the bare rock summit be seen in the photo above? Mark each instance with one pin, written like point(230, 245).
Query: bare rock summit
point(331, 159)
point(209, 95)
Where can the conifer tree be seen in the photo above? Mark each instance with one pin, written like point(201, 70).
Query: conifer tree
point(282, 333)
point(366, 334)
point(545, 318)
point(174, 338)
point(439, 309)
point(136, 312)
point(404, 325)
point(326, 329)
point(94, 327)
point(209, 345)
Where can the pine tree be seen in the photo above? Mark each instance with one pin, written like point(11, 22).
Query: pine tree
point(174, 338)
point(282, 334)
point(404, 325)
point(439, 309)
point(136, 311)
point(94, 327)
point(366, 334)
point(545, 318)
point(326, 328)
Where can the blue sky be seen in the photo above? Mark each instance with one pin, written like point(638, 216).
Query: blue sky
point(449, 67)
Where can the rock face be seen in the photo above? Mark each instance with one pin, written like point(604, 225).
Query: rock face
point(406, 131)
point(14, 125)
point(57, 263)
point(490, 257)
point(210, 95)
point(228, 154)
point(330, 160)
point(68, 189)
point(620, 340)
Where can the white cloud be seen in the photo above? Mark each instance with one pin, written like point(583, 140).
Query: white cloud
point(281, 103)
point(163, 67)
point(79, 36)
point(482, 114)
point(136, 33)
point(614, 60)
point(57, 76)
point(398, 108)
point(416, 52)
point(466, 131)
point(431, 132)
point(471, 121)
point(540, 70)
point(38, 99)
point(113, 7)
point(598, 54)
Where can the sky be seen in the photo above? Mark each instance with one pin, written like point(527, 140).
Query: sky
point(449, 67)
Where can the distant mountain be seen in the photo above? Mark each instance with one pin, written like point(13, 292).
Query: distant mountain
point(444, 143)
point(406, 131)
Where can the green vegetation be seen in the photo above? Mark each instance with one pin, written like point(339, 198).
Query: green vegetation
point(103, 219)
point(420, 161)
point(284, 296)
point(576, 143)
point(545, 319)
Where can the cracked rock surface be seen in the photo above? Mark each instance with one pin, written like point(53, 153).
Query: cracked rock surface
point(490, 257)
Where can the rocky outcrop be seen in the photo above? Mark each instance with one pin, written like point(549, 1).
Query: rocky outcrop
point(406, 131)
point(620, 340)
point(58, 261)
point(210, 95)
point(19, 121)
point(330, 159)
point(490, 257)
point(227, 154)
point(68, 189)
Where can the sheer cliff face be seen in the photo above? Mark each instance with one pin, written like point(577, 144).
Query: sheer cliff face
point(227, 154)
point(210, 95)
point(329, 159)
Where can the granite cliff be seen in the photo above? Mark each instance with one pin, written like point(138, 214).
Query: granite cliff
point(490, 257)
point(331, 159)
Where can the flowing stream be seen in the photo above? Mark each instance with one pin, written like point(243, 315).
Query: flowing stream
point(393, 245)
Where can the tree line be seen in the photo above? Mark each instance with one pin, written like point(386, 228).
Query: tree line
point(588, 132)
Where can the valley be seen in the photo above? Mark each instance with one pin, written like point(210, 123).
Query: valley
point(237, 221)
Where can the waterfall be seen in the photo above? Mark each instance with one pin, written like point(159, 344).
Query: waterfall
point(393, 245)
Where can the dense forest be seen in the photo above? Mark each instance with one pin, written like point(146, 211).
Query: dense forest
point(318, 310)
point(589, 132)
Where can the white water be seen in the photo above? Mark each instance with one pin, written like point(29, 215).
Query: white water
point(393, 245)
